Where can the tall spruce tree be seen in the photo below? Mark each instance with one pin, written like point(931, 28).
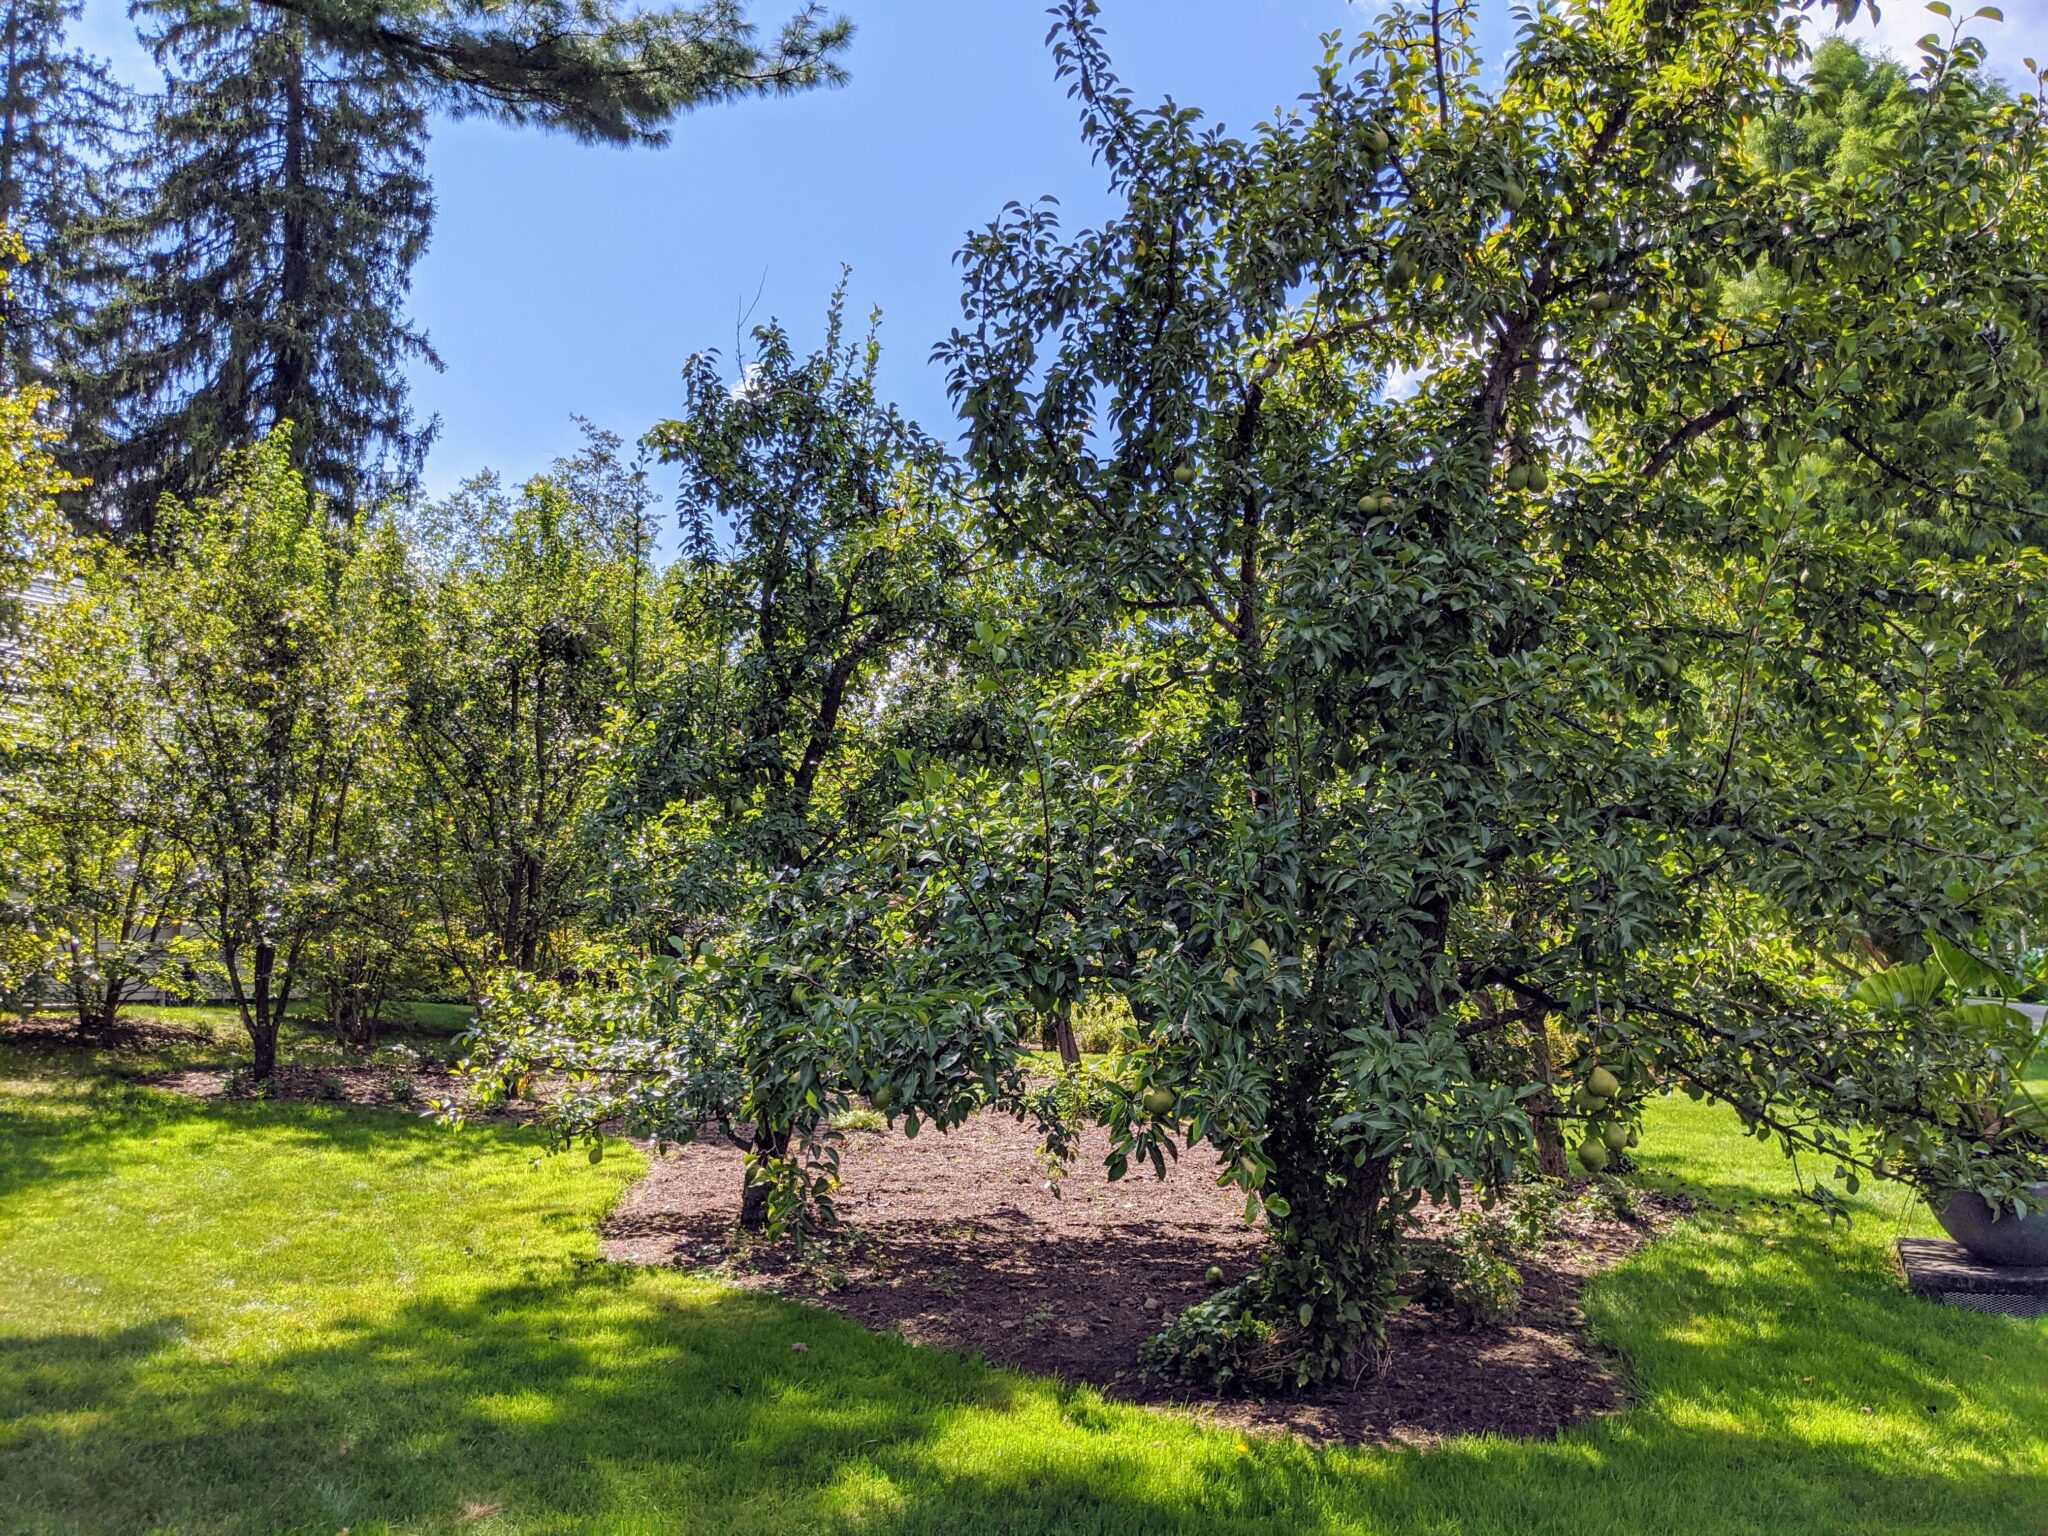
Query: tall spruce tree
point(61, 115)
point(288, 202)
point(287, 205)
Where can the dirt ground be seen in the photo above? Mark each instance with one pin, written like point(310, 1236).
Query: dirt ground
point(958, 1241)
point(54, 1030)
point(374, 1087)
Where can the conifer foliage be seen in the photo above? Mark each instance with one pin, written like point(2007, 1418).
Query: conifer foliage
point(61, 117)
point(288, 204)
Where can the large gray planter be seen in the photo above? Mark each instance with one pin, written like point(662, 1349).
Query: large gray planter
point(2016, 1241)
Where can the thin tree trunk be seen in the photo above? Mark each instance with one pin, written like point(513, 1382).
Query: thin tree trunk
point(1549, 1141)
point(769, 1146)
point(259, 1020)
point(1059, 1029)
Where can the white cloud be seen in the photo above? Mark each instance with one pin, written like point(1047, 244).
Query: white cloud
point(1902, 23)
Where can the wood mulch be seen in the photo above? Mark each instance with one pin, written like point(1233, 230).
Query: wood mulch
point(958, 1241)
point(366, 1087)
point(54, 1030)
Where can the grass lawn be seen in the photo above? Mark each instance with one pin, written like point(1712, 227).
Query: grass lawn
point(265, 1318)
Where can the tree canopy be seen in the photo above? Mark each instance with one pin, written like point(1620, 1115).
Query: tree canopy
point(1534, 546)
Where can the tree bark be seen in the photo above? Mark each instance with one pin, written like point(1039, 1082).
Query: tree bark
point(258, 1017)
point(770, 1145)
point(1059, 1033)
point(1549, 1142)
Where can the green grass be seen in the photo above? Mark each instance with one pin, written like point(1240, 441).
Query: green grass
point(276, 1318)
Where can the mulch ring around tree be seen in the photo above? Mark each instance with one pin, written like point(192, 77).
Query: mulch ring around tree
point(957, 1241)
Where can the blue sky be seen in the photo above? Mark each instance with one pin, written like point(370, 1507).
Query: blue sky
point(566, 279)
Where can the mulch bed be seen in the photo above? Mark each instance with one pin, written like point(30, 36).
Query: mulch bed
point(957, 1241)
point(61, 1030)
point(368, 1087)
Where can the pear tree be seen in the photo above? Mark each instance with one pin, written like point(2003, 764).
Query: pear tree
point(1530, 555)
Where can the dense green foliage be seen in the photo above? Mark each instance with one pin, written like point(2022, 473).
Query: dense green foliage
point(590, 67)
point(517, 630)
point(61, 117)
point(283, 207)
point(752, 823)
point(102, 880)
point(1526, 554)
point(239, 261)
point(264, 704)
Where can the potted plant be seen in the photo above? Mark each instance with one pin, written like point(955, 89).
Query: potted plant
point(1987, 1180)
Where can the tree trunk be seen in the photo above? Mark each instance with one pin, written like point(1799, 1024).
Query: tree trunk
point(258, 1017)
point(264, 1039)
point(1549, 1142)
point(291, 376)
point(769, 1146)
point(1338, 1246)
point(1059, 1033)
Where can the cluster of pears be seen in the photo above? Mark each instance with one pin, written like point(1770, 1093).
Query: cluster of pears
point(1606, 1133)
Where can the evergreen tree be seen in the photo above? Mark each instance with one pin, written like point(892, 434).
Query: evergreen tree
point(61, 114)
point(287, 206)
point(288, 203)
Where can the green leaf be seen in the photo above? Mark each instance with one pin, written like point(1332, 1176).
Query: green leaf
point(1900, 987)
point(1968, 973)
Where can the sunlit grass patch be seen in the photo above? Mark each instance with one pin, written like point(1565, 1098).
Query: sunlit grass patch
point(256, 1318)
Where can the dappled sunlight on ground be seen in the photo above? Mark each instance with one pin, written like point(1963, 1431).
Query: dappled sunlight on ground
point(183, 1348)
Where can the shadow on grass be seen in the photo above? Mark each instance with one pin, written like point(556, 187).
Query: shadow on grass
point(597, 1399)
point(547, 1391)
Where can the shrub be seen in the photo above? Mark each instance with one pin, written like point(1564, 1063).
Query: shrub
point(1533, 1209)
point(1219, 1343)
point(1472, 1275)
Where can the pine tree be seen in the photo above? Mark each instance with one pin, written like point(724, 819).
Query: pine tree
point(61, 115)
point(288, 203)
